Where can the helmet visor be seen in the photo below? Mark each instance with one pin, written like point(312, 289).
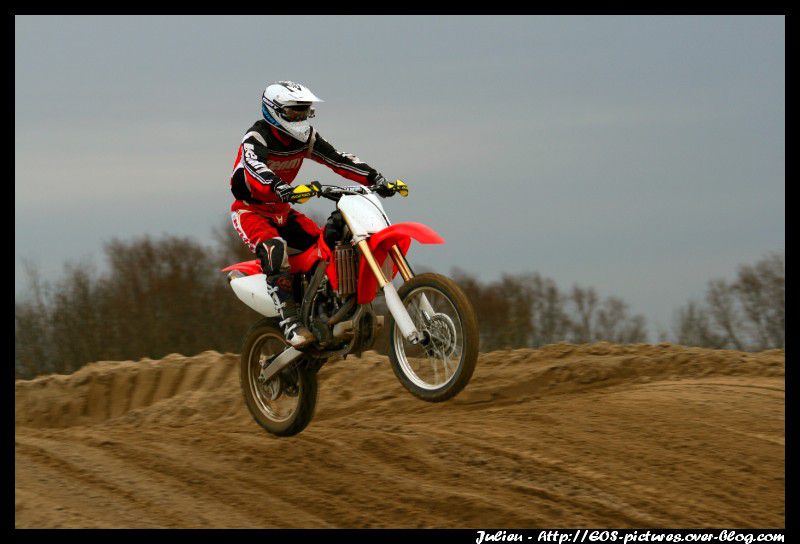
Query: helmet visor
point(297, 113)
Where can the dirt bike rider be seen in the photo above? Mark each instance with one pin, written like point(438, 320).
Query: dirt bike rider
point(269, 157)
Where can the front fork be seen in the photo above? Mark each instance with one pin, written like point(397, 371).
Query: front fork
point(393, 302)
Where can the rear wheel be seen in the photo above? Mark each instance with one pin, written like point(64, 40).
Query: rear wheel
point(285, 404)
point(440, 366)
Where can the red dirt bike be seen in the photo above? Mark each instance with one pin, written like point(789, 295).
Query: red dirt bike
point(433, 331)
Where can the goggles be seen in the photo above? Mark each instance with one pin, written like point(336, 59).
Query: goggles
point(297, 113)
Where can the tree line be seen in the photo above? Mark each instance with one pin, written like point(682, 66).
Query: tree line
point(747, 313)
point(529, 310)
point(167, 295)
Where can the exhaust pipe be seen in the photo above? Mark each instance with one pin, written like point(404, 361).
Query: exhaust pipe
point(345, 328)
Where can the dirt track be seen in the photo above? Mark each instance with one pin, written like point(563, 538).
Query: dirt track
point(565, 436)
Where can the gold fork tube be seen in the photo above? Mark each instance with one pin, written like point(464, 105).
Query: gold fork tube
point(370, 258)
point(401, 263)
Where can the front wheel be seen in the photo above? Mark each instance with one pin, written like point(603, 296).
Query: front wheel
point(284, 405)
point(441, 365)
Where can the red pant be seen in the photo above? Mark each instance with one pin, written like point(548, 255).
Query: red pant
point(298, 231)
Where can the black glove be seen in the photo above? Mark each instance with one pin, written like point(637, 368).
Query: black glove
point(385, 188)
point(299, 194)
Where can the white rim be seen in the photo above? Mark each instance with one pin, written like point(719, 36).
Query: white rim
point(434, 367)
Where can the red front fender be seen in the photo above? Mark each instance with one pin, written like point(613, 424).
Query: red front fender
point(381, 243)
point(402, 231)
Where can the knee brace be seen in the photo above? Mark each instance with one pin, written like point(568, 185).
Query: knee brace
point(275, 264)
point(273, 256)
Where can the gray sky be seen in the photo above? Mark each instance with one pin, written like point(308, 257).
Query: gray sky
point(640, 155)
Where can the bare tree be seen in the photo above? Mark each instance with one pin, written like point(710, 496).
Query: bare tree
point(32, 335)
point(550, 322)
point(722, 308)
point(614, 324)
point(761, 290)
point(157, 297)
point(693, 327)
point(528, 310)
point(592, 320)
point(585, 302)
point(747, 314)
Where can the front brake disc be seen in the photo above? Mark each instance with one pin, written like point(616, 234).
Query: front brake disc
point(443, 333)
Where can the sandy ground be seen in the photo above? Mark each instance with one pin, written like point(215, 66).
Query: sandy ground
point(565, 436)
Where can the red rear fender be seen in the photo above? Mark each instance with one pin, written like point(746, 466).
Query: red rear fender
point(248, 268)
point(302, 262)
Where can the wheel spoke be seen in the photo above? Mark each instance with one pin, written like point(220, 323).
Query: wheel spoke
point(435, 369)
point(446, 362)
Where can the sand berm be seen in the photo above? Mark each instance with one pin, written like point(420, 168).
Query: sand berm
point(597, 435)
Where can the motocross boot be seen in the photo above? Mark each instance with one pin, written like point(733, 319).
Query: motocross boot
point(279, 288)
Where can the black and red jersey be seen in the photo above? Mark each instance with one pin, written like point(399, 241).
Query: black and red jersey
point(268, 157)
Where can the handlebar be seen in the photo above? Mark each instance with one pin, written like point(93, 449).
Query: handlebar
point(334, 192)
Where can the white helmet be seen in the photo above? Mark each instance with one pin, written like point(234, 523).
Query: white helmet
point(287, 106)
